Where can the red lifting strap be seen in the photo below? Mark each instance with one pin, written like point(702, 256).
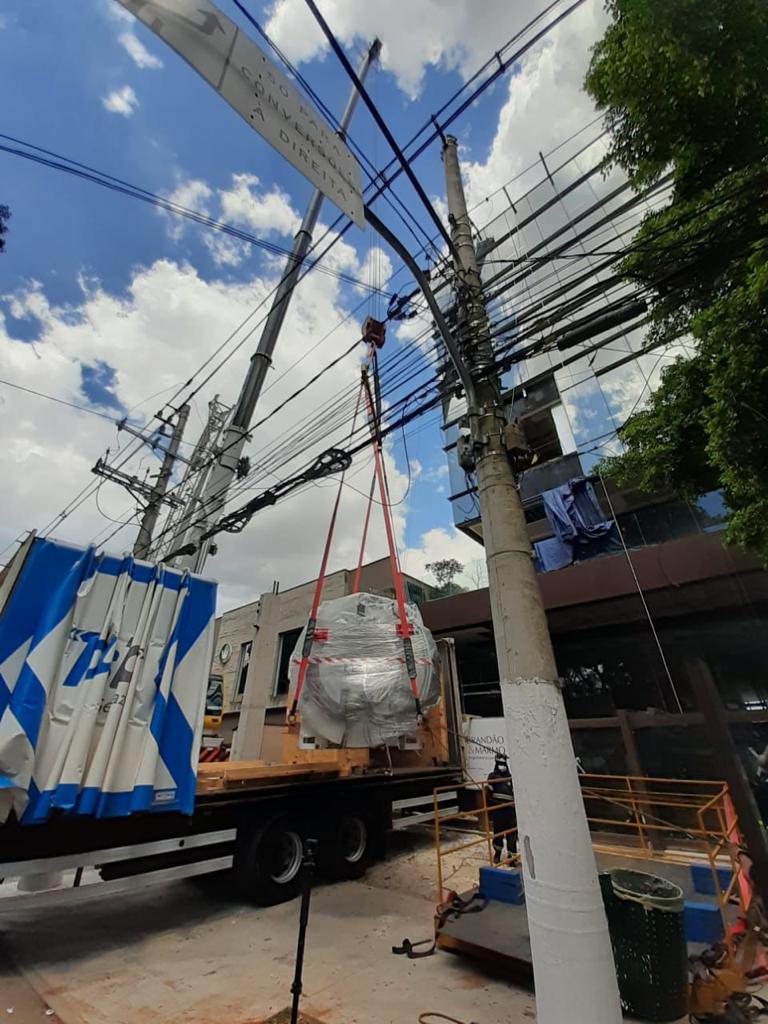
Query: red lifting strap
point(404, 628)
point(356, 580)
point(310, 634)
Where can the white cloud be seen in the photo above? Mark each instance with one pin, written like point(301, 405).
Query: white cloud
point(437, 473)
point(416, 34)
point(225, 251)
point(437, 544)
point(375, 270)
point(241, 205)
point(194, 194)
point(167, 314)
point(138, 52)
point(121, 101)
point(265, 212)
point(118, 13)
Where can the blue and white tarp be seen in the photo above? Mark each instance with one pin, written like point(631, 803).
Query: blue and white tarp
point(104, 665)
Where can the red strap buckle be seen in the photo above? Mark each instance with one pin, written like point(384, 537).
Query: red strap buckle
point(404, 629)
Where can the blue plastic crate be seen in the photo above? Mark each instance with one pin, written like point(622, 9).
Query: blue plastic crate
point(703, 882)
point(703, 922)
point(502, 884)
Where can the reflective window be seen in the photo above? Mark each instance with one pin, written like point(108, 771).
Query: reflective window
point(285, 646)
point(242, 668)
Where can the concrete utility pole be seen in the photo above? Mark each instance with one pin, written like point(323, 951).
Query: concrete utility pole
point(573, 963)
point(190, 490)
point(236, 433)
point(157, 495)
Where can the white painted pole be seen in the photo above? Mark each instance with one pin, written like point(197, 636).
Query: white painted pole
point(573, 965)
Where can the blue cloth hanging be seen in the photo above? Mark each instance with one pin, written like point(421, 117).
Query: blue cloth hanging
point(551, 554)
point(580, 528)
point(574, 513)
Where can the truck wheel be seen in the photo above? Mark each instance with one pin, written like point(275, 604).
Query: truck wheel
point(267, 861)
point(349, 846)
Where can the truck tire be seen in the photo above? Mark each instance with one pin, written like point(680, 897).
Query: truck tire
point(267, 861)
point(349, 847)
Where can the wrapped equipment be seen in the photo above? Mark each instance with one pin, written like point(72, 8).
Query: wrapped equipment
point(356, 691)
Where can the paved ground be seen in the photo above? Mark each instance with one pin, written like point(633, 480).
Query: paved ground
point(178, 952)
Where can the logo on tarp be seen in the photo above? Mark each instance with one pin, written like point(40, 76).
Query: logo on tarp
point(126, 668)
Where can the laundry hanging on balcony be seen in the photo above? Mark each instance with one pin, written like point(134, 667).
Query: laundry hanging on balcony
point(580, 528)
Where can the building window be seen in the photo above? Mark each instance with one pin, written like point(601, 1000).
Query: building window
point(214, 698)
point(541, 434)
point(242, 668)
point(286, 643)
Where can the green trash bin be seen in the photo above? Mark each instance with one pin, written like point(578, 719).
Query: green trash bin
point(645, 919)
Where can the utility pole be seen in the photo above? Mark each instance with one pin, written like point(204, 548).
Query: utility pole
point(190, 489)
point(157, 497)
point(154, 494)
point(236, 433)
point(573, 963)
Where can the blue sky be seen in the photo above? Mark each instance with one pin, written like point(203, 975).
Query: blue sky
point(82, 81)
point(180, 129)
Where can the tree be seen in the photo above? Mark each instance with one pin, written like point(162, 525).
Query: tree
point(683, 85)
point(477, 573)
point(5, 214)
point(444, 571)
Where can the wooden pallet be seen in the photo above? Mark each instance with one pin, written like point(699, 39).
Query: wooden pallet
point(227, 775)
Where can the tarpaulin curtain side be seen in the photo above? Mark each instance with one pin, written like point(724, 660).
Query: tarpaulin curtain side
point(104, 664)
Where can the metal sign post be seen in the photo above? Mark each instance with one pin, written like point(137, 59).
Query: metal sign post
point(308, 876)
point(261, 94)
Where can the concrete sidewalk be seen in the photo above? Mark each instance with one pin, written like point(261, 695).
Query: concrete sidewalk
point(179, 952)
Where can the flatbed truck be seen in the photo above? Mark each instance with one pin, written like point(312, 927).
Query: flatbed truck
point(250, 818)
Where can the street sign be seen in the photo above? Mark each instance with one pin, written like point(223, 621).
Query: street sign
point(247, 79)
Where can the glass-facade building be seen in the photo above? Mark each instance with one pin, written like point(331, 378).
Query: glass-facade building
point(629, 614)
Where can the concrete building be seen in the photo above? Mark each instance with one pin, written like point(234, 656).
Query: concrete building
point(626, 628)
point(254, 644)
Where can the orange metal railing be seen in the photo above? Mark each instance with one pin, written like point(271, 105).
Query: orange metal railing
point(677, 821)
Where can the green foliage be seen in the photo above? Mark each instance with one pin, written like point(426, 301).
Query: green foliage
point(444, 571)
point(683, 82)
point(684, 85)
point(663, 449)
point(689, 251)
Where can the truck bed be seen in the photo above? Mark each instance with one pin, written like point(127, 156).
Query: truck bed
point(219, 806)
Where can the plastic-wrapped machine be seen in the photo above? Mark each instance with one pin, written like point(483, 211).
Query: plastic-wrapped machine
point(356, 691)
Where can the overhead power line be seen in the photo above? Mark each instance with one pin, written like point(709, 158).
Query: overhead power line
point(390, 197)
point(383, 126)
point(503, 66)
point(438, 129)
point(59, 401)
point(59, 162)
